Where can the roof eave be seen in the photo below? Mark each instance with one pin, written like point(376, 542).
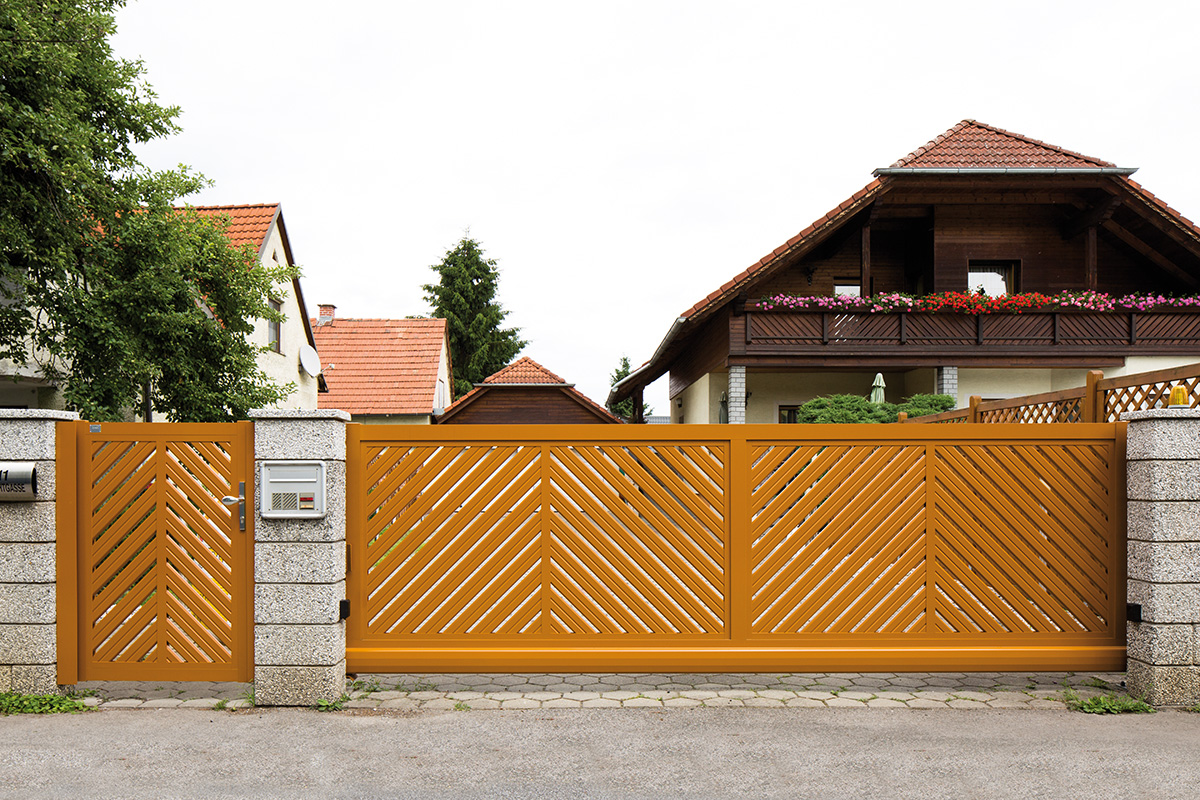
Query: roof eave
point(616, 393)
point(1004, 171)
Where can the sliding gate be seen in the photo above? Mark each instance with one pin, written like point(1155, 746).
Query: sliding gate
point(735, 547)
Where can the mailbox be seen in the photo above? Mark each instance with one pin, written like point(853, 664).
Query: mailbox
point(293, 489)
point(18, 481)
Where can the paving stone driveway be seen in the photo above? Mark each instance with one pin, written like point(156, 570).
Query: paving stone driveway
point(960, 690)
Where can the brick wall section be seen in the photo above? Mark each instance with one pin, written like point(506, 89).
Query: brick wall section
point(28, 646)
point(300, 567)
point(737, 395)
point(946, 381)
point(1164, 554)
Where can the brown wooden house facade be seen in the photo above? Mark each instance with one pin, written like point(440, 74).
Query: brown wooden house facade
point(977, 206)
point(525, 393)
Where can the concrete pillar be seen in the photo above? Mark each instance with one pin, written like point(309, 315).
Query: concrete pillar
point(1164, 554)
point(945, 381)
point(300, 567)
point(28, 643)
point(737, 395)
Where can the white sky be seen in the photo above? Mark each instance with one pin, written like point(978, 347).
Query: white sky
point(621, 160)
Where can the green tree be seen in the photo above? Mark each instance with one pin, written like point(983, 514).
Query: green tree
point(625, 408)
point(103, 285)
point(465, 296)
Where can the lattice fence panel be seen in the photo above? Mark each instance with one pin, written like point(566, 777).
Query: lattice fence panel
point(638, 541)
point(1067, 410)
point(453, 540)
point(838, 539)
point(1146, 396)
point(1023, 539)
point(158, 551)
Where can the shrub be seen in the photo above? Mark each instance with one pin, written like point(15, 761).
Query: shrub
point(853, 408)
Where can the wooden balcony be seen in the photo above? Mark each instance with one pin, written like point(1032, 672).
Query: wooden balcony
point(911, 339)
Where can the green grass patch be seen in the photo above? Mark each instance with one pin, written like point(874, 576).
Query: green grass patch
point(14, 703)
point(1106, 704)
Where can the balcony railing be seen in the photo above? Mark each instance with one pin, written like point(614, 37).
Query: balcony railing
point(1035, 333)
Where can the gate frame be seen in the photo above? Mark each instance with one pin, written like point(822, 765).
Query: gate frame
point(70, 598)
point(897, 653)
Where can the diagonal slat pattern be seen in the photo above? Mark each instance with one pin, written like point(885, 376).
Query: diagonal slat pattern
point(838, 539)
point(159, 551)
point(1024, 545)
point(633, 545)
point(529, 548)
point(453, 545)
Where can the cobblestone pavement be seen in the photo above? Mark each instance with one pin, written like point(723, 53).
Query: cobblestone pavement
point(958, 690)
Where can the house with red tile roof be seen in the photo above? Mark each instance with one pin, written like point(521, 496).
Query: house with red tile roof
point(290, 344)
point(976, 207)
point(395, 371)
point(261, 226)
point(525, 392)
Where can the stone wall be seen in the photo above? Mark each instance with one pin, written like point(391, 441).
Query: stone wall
point(1164, 554)
point(28, 636)
point(300, 567)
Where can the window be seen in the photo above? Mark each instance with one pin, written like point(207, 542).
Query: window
point(992, 277)
point(847, 287)
point(787, 414)
point(273, 326)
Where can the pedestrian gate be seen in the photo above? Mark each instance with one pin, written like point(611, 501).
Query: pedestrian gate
point(156, 583)
point(743, 547)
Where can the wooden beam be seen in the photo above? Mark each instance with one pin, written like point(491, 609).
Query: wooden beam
point(1090, 217)
point(1152, 255)
point(1089, 259)
point(638, 397)
point(932, 198)
point(865, 270)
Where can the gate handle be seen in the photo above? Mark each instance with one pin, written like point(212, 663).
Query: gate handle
point(229, 500)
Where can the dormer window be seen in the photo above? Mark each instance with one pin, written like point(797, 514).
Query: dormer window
point(273, 326)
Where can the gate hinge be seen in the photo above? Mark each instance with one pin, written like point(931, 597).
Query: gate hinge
point(1133, 612)
point(343, 610)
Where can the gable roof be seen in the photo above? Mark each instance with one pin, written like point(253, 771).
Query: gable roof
point(248, 224)
point(251, 224)
point(524, 373)
point(381, 366)
point(971, 147)
point(975, 145)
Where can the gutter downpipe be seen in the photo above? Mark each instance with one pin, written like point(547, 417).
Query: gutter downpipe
point(675, 326)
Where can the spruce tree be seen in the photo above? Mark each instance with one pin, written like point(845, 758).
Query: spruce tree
point(465, 296)
point(624, 409)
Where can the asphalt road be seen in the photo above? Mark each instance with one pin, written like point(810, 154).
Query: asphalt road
point(624, 753)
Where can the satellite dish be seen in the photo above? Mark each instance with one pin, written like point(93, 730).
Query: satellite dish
point(310, 362)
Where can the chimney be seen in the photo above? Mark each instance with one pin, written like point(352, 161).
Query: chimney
point(325, 314)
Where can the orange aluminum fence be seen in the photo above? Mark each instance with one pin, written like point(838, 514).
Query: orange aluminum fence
point(1101, 400)
point(735, 547)
point(155, 575)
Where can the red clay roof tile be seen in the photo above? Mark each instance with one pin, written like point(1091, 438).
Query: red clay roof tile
point(524, 370)
point(248, 224)
point(972, 144)
point(380, 366)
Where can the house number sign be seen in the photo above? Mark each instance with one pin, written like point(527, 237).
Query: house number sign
point(18, 481)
